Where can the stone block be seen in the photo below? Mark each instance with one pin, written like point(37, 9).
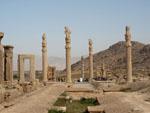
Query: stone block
point(95, 109)
point(2, 92)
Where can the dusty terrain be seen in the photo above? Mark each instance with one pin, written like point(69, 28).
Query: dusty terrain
point(42, 99)
point(120, 102)
point(35, 102)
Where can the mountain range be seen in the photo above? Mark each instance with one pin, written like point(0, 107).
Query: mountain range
point(114, 60)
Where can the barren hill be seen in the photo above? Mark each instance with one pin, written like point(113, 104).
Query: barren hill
point(115, 61)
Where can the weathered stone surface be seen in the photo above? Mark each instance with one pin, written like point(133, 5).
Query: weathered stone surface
point(1, 59)
point(11, 94)
point(44, 58)
point(128, 54)
point(51, 75)
point(68, 54)
point(21, 59)
point(8, 63)
point(27, 87)
point(2, 92)
point(59, 108)
point(91, 59)
point(82, 67)
point(95, 109)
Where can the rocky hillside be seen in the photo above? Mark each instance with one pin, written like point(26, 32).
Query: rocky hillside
point(115, 61)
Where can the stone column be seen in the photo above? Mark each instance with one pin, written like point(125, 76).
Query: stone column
point(21, 69)
point(103, 71)
point(82, 67)
point(32, 68)
point(44, 58)
point(91, 59)
point(128, 54)
point(68, 55)
point(8, 63)
point(54, 73)
point(1, 59)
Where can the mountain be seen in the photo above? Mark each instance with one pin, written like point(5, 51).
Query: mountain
point(114, 60)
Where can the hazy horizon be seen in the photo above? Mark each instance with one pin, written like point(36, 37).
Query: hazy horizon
point(104, 21)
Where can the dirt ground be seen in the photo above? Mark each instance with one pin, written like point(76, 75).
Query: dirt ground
point(35, 102)
point(121, 102)
point(41, 100)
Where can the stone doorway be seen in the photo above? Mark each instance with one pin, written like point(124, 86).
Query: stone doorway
point(21, 68)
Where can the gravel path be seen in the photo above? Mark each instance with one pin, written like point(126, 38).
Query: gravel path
point(36, 102)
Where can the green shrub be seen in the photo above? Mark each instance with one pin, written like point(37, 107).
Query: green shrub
point(60, 102)
point(89, 101)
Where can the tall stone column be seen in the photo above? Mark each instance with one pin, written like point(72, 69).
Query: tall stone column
point(32, 68)
point(44, 58)
point(91, 59)
point(128, 54)
point(82, 67)
point(8, 63)
point(1, 59)
point(68, 55)
point(21, 69)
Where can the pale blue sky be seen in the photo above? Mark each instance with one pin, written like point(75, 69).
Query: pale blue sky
point(104, 21)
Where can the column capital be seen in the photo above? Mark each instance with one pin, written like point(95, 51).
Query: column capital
point(128, 36)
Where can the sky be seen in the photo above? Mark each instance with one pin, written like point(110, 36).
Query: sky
point(103, 21)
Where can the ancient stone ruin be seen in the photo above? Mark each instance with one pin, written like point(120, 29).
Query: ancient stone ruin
point(82, 67)
point(68, 54)
point(44, 58)
point(128, 54)
point(104, 95)
point(1, 59)
point(21, 59)
point(8, 63)
point(51, 74)
point(91, 59)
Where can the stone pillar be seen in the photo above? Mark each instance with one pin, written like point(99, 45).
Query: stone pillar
point(8, 63)
point(103, 71)
point(82, 67)
point(54, 73)
point(91, 59)
point(44, 58)
point(1, 59)
point(32, 68)
point(128, 54)
point(68, 55)
point(21, 69)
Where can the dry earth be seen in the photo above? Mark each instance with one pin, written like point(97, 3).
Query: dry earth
point(35, 102)
point(41, 100)
point(120, 102)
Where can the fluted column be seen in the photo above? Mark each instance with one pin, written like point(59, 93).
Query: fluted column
point(68, 54)
point(128, 54)
point(91, 59)
point(44, 58)
point(1, 59)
